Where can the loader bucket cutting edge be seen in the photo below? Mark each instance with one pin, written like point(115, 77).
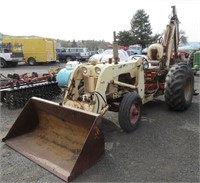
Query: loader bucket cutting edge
point(63, 140)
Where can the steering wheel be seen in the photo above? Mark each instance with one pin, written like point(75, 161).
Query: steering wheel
point(146, 63)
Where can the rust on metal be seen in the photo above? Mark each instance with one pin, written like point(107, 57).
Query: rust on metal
point(63, 140)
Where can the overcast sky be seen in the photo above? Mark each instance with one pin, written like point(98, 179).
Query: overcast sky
point(92, 19)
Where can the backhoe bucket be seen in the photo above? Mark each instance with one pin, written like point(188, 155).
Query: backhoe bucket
point(63, 140)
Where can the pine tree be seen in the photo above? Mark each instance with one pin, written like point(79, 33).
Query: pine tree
point(124, 38)
point(74, 43)
point(141, 28)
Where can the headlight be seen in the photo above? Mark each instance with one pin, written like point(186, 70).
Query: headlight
point(97, 70)
point(84, 69)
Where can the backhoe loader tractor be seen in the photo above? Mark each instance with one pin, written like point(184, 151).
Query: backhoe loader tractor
point(67, 138)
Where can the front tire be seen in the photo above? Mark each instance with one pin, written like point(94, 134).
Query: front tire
point(130, 112)
point(3, 63)
point(179, 87)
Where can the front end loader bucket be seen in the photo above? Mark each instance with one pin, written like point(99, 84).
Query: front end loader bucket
point(63, 140)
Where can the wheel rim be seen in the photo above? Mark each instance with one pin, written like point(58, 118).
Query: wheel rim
point(2, 63)
point(134, 113)
point(31, 62)
point(188, 89)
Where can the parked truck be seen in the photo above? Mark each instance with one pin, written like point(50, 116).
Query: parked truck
point(71, 54)
point(64, 56)
point(36, 49)
point(10, 54)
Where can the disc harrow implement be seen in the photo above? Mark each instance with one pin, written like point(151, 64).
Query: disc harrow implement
point(16, 89)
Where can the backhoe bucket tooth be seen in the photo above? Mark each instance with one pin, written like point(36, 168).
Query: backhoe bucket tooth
point(63, 140)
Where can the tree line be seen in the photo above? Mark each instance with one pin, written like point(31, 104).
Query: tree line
point(90, 44)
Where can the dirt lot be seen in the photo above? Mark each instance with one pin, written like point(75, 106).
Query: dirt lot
point(164, 149)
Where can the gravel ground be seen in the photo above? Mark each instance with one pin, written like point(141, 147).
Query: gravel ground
point(164, 149)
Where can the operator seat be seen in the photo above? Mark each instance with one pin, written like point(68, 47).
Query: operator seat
point(155, 54)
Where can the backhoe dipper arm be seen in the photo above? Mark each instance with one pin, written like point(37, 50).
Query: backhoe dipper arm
point(171, 37)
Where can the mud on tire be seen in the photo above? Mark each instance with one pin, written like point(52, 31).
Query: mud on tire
point(179, 87)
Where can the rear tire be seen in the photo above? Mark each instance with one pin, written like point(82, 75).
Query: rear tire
point(130, 112)
point(31, 61)
point(191, 59)
point(3, 63)
point(179, 87)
